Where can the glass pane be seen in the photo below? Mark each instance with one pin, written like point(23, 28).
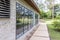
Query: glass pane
point(36, 18)
point(24, 19)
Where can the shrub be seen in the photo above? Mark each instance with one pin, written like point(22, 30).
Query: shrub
point(56, 24)
point(58, 17)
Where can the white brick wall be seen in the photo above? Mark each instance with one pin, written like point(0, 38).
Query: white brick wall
point(8, 25)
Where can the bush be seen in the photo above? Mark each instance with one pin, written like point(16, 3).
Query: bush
point(56, 24)
point(58, 17)
point(43, 15)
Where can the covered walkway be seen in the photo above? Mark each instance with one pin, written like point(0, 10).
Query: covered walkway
point(41, 33)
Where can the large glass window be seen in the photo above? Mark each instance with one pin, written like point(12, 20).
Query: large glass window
point(24, 19)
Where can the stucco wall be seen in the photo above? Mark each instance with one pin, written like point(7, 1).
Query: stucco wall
point(8, 25)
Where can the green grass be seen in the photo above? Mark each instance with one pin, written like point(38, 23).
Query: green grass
point(54, 35)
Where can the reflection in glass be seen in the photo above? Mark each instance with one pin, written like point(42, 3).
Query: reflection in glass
point(24, 19)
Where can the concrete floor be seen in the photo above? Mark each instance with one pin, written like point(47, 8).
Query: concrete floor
point(41, 33)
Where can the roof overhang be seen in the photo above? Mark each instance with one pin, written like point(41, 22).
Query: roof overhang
point(33, 4)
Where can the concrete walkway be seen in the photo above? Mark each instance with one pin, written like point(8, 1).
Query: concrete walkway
point(41, 33)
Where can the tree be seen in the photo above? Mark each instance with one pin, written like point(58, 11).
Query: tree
point(50, 6)
point(56, 9)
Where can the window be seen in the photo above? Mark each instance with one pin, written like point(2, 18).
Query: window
point(4, 8)
point(24, 19)
point(36, 18)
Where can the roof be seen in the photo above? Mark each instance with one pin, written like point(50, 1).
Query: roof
point(33, 4)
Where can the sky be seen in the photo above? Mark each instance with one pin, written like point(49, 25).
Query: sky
point(40, 1)
point(57, 1)
point(43, 1)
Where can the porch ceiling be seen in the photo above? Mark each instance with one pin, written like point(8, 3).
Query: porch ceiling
point(33, 4)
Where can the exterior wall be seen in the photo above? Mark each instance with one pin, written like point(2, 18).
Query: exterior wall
point(8, 25)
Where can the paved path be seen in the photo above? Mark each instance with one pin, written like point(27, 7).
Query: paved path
point(41, 33)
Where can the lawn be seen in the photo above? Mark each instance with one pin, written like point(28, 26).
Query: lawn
point(54, 35)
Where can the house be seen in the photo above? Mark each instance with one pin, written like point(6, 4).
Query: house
point(17, 17)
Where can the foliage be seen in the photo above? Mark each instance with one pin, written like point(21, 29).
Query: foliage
point(49, 14)
point(56, 6)
point(56, 9)
point(54, 35)
point(57, 17)
point(45, 14)
point(56, 24)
